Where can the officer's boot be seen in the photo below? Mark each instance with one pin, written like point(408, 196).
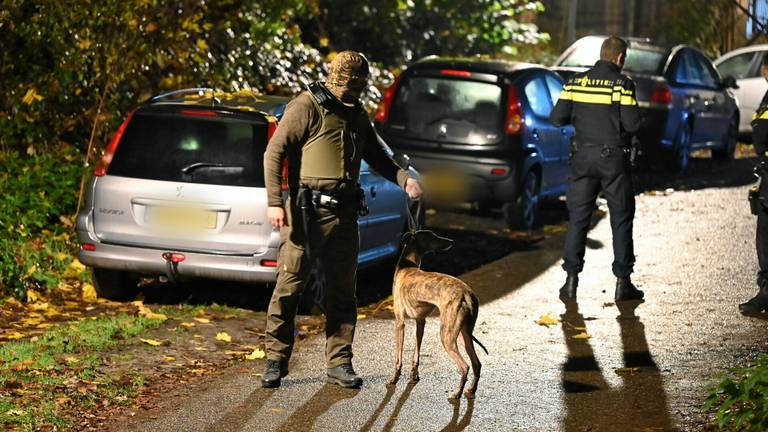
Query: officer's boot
point(568, 290)
point(344, 376)
point(758, 303)
point(625, 290)
point(274, 372)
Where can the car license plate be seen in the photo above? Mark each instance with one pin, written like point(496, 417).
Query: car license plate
point(182, 218)
point(446, 186)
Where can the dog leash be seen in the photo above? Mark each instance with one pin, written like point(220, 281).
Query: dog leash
point(413, 221)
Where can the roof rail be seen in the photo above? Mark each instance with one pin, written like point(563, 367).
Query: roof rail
point(198, 90)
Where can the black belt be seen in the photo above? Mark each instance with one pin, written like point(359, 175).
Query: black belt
point(334, 201)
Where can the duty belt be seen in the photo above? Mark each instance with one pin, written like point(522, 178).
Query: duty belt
point(336, 201)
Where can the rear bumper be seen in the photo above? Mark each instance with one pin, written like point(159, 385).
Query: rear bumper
point(150, 262)
point(481, 183)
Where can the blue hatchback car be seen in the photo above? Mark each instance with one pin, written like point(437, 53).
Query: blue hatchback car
point(479, 131)
point(687, 105)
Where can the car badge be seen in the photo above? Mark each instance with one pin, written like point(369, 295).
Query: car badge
point(443, 130)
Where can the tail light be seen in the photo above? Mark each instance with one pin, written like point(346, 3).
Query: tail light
point(90, 247)
point(458, 73)
point(382, 112)
point(514, 121)
point(268, 263)
point(198, 113)
point(109, 152)
point(661, 95)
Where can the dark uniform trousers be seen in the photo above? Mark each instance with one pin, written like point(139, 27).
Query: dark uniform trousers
point(761, 242)
point(595, 168)
point(335, 242)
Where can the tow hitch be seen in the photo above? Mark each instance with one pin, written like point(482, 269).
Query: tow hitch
point(172, 260)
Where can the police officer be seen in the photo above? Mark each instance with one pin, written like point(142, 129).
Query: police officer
point(601, 105)
point(759, 302)
point(323, 135)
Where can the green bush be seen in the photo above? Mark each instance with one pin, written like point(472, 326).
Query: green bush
point(36, 232)
point(741, 398)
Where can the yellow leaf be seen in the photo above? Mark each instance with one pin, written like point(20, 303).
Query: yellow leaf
point(84, 44)
point(361, 316)
point(258, 353)
point(15, 412)
point(188, 324)
point(169, 358)
point(223, 336)
point(582, 335)
point(71, 359)
point(197, 372)
point(33, 296)
point(202, 320)
point(31, 96)
point(152, 342)
point(31, 270)
point(13, 335)
point(89, 293)
point(547, 320)
point(323, 41)
point(202, 45)
point(554, 229)
point(629, 370)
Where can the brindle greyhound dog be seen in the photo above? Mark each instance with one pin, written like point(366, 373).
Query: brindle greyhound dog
point(417, 293)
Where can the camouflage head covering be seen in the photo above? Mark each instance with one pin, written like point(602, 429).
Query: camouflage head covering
point(347, 75)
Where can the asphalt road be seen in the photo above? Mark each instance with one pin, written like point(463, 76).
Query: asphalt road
point(695, 261)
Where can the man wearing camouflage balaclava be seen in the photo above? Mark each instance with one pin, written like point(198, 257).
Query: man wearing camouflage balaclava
point(322, 137)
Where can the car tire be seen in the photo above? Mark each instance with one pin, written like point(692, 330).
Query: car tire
point(115, 284)
point(312, 297)
point(729, 142)
point(523, 213)
point(680, 157)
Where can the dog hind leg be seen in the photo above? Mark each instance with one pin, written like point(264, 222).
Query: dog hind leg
point(466, 333)
point(399, 335)
point(449, 335)
point(419, 336)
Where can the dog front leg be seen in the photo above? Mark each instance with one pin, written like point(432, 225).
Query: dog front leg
point(399, 336)
point(419, 336)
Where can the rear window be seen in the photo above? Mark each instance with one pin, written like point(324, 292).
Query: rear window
point(449, 110)
point(192, 150)
point(639, 60)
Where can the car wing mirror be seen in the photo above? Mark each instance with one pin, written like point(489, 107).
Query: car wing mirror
point(729, 82)
point(402, 160)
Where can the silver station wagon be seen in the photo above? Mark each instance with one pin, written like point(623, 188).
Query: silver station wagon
point(180, 193)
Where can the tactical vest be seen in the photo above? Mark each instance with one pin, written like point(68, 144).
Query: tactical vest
point(335, 151)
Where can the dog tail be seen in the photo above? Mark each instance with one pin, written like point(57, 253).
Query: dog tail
point(474, 306)
point(481, 344)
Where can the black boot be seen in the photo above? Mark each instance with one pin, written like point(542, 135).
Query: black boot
point(568, 290)
point(625, 290)
point(758, 303)
point(344, 376)
point(273, 373)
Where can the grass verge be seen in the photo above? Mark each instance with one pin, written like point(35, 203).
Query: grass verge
point(741, 398)
point(42, 380)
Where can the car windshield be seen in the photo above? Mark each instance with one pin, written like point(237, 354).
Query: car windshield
point(639, 60)
point(449, 110)
point(193, 150)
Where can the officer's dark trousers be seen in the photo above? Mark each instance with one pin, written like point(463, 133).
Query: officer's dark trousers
point(593, 170)
point(762, 245)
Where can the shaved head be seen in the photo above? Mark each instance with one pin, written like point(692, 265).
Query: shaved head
point(612, 47)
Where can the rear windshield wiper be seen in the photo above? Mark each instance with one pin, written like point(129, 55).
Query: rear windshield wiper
point(208, 165)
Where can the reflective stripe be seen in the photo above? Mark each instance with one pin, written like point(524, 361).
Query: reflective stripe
point(566, 95)
point(628, 100)
point(588, 89)
point(604, 99)
point(764, 115)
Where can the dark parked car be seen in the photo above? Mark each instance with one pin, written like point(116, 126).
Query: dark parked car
point(180, 193)
point(686, 103)
point(479, 131)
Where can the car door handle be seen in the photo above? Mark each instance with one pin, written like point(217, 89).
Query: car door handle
point(373, 191)
point(535, 133)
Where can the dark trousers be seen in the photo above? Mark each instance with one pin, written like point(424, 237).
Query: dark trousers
point(593, 169)
point(761, 242)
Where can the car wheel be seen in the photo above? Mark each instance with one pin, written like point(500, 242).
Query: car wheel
point(115, 284)
point(681, 155)
point(729, 142)
point(523, 213)
point(313, 295)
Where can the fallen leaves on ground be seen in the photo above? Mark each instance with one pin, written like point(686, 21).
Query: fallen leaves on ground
point(626, 370)
point(153, 342)
point(583, 335)
point(89, 293)
point(258, 353)
point(203, 320)
point(147, 312)
point(547, 320)
point(224, 337)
